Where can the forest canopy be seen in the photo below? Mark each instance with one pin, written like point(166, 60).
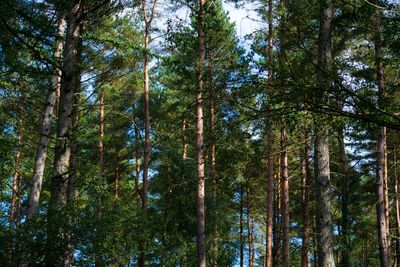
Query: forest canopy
point(199, 133)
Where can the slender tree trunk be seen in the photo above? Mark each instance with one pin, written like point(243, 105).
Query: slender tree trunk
point(380, 170)
point(270, 160)
point(386, 189)
point(241, 228)
point(101, 132)
point(137, 164)
point(146, 150)
point(15, 207)
point(19, 197)
point(345, 222)
point(56, 243)
point(13, 198)
point(277, 237)
point(201, 235)
point(250, 235)
point(213, 160)
point(322, 177)
point(396, 191)
point(146, 102)
point(285, 200)
point(41, 154)
point(305, 192)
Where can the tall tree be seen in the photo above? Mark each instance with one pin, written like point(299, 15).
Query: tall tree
point(45, 132)
point(305, 194)
point(322, 169)
point(65, 131)
point(270, 157)
point(201, 226)
point(381, 209)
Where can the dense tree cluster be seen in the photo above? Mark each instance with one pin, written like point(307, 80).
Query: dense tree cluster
point(132, 135)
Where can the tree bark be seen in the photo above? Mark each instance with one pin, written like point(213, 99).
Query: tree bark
point(277, 237)
point(137, 164)
point(305, 192)
point(285, 200)
point(213, 160)
point(322, 177)
point(41, 154)
point(56, 243)
point(397, 206)
point(201, 235)
point(15, 204)
point(146, 149)
point(101, 131)
point(345, 221)
point(382, 219)
point(73, 176)
point(250, 234)
point(241, 228)
point(270, 159)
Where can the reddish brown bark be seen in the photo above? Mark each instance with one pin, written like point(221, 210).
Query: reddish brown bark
point(270, 159)
point(277, 237)
point(285, 201)
point(382, 220)
point(397, 206)
point(101, 131)
point(201, 235)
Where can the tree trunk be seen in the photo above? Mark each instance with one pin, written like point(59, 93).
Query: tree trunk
point(277, 237)
point(56, 243)
point(380, 170)
point(41, 154)
point(73, 161)
point(101, 131)
point(146, 102)
point(305, 192)
point(241, 228)
point(396, 191)
point(322, 176)
point(345, 222)
point(201, 235)
point(137, 164)
point(146, 149)
point(213, 158)
point(323, 196)
point(250, 234)
point(270, 160)
point(285, 200)
point(15, 205)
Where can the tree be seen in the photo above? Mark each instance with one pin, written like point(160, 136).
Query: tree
point(322, 175)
